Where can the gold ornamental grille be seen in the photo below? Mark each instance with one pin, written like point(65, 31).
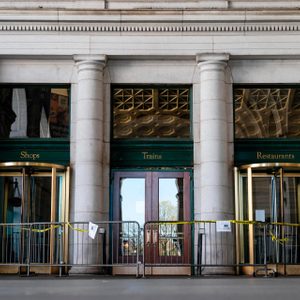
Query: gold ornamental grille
point(267, 112)
point(151, 112)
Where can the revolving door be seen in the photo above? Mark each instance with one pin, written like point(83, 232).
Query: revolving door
point(31, 193)
point(268, 196)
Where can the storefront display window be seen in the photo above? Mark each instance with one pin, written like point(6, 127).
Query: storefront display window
point(40, 111)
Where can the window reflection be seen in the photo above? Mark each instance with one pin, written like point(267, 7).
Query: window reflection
point(170, 209)
point(34, 111)
point(267, 112)
point(132, 208)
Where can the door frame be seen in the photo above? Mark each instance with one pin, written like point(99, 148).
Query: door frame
point(285, 170)
point(43, 170)
point(187, 174)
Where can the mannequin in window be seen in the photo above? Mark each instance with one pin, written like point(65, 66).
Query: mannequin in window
point(7, 115)
point(38, 98)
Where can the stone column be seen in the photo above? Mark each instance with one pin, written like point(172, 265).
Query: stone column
point(88, 201)
point(211, 154)
point(89, 139)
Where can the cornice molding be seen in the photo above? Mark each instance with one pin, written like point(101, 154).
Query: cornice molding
point(294, 27)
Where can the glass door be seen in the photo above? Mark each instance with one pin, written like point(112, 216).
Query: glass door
point(159, 200)
point(31, 193)
point(170, 238)
point(269, 193)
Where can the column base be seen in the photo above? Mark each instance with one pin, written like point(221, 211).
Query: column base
point(86, 270)
point(218, 271)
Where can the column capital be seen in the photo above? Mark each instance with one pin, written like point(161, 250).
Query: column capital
point(87, 63)
point(98, 58)
point(212, 58)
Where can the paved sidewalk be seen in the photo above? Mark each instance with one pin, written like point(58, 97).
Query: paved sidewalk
point(233, 288)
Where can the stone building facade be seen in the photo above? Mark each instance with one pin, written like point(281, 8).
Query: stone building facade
point(217, 50)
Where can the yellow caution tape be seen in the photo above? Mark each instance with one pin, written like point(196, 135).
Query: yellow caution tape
point(40, 230)
point(285, 224)
point(200, 222)
point(53, 227)
point(45, 229)
point(276, 239)
point(242, 222)
point(77, 229)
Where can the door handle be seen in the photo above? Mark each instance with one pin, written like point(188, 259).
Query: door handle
point(154, 237)
point(148, 236)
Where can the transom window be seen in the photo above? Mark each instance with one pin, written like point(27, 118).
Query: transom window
point(268, 112)
point(34, 111)
point(151, 112)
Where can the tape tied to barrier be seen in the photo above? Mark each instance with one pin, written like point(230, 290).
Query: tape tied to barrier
point(45, 229)
point(53, 227)
point(241, 222)
point(276, 239)
point(77, 229)
point(40, 230)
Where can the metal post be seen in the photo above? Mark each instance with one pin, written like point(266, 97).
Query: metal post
point(199, 253)
point(138, 250)
point(144, 249)
point(61, 262)
point(104, 247)
point(28, 250)
point(265, 252)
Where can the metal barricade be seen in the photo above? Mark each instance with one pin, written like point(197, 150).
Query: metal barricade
point(214, 247)
point(220, 247)
point(250, 247)
point(71, 245)
point(31, 244)
point(12, 248)
point(203, 247)
point(232, 247)
point(116, 244)
point(282, 246)
point(167, 244)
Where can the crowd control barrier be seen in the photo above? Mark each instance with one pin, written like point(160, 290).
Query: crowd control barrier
point(31, 245)
point(222, 247)
point(110, 244)
point(192, 247)
point(83, 245)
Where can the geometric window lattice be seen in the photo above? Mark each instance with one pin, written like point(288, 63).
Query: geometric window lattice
point(267, 112)
point(151, 112)
point(129, 99)
point(173, 99)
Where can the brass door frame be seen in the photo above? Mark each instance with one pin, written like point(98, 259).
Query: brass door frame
point(246, 171)
point(53, 171)
point(43, 170)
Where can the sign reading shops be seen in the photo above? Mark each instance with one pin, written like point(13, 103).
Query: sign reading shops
point(29, 156)
point(52, 151)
